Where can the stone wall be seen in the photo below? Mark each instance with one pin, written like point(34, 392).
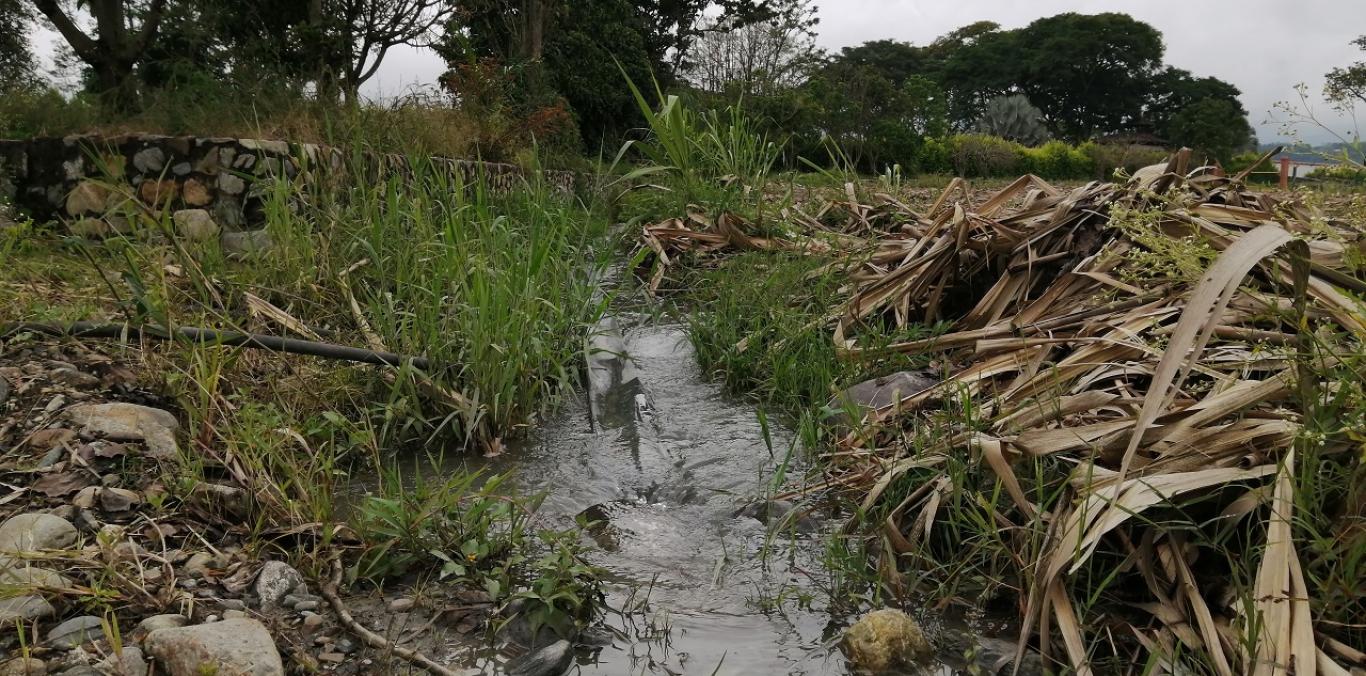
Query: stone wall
point(96, 181)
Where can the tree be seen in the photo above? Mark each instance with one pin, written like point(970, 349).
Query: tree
point(124, 29)
point(760, 59)
point(352, 37)
point(892, 59)
point(1346, 87)
point(1213, 126)
point(927, 108)
point(1087, 73)
point(16, 57)
point(1172, 90)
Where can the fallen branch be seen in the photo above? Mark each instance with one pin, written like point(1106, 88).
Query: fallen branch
point(329, 592)
point(216, 337)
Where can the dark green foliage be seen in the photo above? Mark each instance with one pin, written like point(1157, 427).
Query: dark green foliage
point(1210, 126)
point(1087, 72)
point(16, 54)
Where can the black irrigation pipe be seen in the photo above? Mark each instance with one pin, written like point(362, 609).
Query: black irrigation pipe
point(216, 337)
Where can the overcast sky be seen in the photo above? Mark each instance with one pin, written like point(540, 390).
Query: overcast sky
point(1264, 47)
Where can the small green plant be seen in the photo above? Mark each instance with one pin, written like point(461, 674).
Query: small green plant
point(561, 590)
point(462, 525)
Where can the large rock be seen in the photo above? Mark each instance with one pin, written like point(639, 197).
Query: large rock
point(88, 197)
point(75, 632)
point(33, 532)
point(551, 660)
point(159, 192)
point(127, 662)
point(129, 422)
point(885, 390)
point(241, 647)
point(277, 580)
point(23, 609)
point(195, 193)
point(23, 666)
point(231, 184)
point(195, 225)
point(885, 640)
point(149, 160)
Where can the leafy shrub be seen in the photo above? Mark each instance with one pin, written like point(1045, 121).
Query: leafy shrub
point(934, 157)
point(1057, 159)
point(1106, 158)
point(1344, 173)
point(982, 155)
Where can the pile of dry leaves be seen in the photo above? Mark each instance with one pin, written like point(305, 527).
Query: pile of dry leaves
point(1162, 337)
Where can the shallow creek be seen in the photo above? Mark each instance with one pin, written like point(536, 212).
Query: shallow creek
point(667, 462)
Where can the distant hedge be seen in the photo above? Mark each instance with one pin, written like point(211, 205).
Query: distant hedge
point(978, 155)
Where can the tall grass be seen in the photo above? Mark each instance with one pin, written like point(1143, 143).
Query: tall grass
point(722, 156)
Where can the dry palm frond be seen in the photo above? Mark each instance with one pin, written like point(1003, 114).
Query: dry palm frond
point(1151, 335)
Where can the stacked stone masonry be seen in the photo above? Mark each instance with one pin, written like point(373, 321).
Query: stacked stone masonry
point(91, 182)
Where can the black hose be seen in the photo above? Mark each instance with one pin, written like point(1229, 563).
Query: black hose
point(216, 337)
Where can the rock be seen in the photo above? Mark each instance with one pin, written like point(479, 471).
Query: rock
point(149, 160)
point(234, 614)
point(24, 666)
point(74, 378)
point(878, 392)
point(277, 580)
point(51, 438)
point(88, 197)
point(884, 640)
point(33, 532)
point(239, 647)
point(993, 656)
point(401, 605)
point(313, 621)
point(4, 390)
point(195, 225)
point(551, 660)
point(168, 621)
point(306, 605)
point(85, 499)
point(233, 604)
point(75, 632)
point(24, 575)
point(23, 609)
point(90, 228)
point(195, 193)
point(118, 499)
point(779, 514)
point(181, 168)
point(127, 662)
point(81, 670)
point(159, 192)
point(333, 657)
point(229, 501)
point(129, 422)
point(200, 564)
point(246, 242)
point(231, 184)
